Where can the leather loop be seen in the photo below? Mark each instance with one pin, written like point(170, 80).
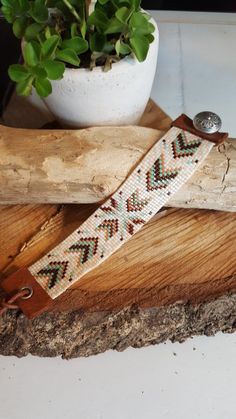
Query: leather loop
point(37, 303)
point(186, 123)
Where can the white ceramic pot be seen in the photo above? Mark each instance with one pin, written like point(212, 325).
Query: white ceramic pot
point(86, 98)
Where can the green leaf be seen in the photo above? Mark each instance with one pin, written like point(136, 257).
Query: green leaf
point(39, 11)
point(74, 30)
point(151, 28)
point(8, 14)
point(140, 47)
point(147, 16)
point(103, 1)
point(83, 28)
point(49, 47)
point(139, 20)
point(47, 32)
point(54, 69)
point(122, 48)
point(135, 4)
point(97, 42)
point(140, 25)
point(115, 26)
point(31, 52)
point(39, 72)
point(43, 87)
point(32, 31)
point(98, 19)
point(109, 8)
point(18, 72)
point(147, 29)
point(79, 45)
point(22, 6)
point(123, 14)
point(119, 3)
point(150, 38)
point(69, 56)
point(18, 7)
point(6, 3)
point(19, 27)
point(24, 88)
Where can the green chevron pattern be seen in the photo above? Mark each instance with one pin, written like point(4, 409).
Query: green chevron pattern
point(110, 227)
point(54, 272)
point(86, 248)
point(134, 203)
point(158, 177)
point(183, 148)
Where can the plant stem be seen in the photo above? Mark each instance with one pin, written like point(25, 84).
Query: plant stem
point(86, 9)
point(72, 10)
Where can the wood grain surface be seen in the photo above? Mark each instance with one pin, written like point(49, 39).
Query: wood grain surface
point(181, 255)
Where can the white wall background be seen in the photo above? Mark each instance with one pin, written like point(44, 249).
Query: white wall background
point(197, 65)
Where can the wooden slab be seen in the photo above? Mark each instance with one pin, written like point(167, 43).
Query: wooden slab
point(180, 257)
point(184, 255)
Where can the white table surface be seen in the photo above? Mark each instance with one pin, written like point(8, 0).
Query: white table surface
point(196, 379)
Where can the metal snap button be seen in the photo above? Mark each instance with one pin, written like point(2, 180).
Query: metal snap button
point(207, 122)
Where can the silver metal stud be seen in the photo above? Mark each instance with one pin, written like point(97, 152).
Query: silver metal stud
point(207, 122)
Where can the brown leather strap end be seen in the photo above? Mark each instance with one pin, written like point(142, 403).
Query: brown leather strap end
point(37, 303)
point(186, 123)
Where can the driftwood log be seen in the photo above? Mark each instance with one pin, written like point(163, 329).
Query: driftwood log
point(86, 166)
point(174, 279)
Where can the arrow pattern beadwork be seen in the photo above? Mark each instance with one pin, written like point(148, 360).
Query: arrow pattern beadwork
point(85, 248)
point(110, 227)
point(159, 177)
point(183, 148)
point(53, 273)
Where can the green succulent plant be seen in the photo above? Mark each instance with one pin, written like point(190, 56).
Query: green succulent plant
point(60, 33)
